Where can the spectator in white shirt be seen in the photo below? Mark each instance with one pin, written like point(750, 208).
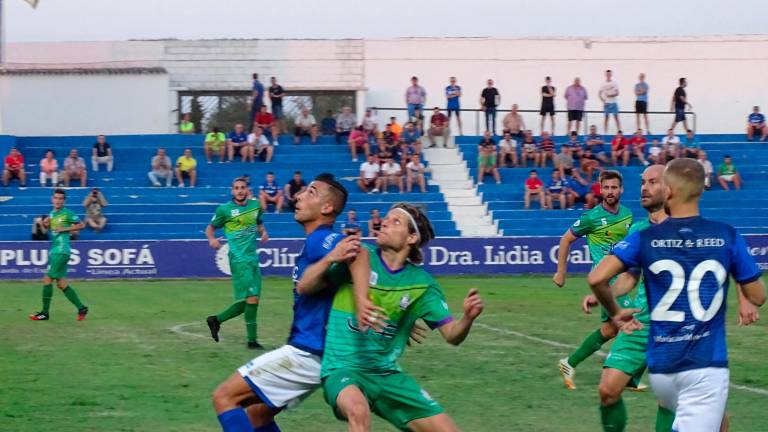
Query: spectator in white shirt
point(49, 169)
point(507, 150)
point(161, 169)
point(609, 91)
point(391, 175)
point(370, 125)
point(369, 175)
point(415, 174)
point(671, 145)
point(305, 125)
point(708, 169)
point(260, 145)
point(655, 153)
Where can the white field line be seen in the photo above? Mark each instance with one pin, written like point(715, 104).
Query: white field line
point(600, 353)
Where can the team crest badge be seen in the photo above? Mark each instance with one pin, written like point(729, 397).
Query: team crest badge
point(374, 278)
point(405, 301)
point(235, 212)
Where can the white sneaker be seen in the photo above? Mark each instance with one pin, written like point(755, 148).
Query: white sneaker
point(375, 190)
point(276, 143)
point(386, 192)
point(210, 161)
point(181, 184)
point(354, 160)
point(568, 372)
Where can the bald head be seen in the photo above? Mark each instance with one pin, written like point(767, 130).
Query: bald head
point(651, 191)
point(684, 180)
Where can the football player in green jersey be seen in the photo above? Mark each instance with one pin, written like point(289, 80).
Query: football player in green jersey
point(241, 220)
point(360, 372)
point(604, 226)
point(63, 223)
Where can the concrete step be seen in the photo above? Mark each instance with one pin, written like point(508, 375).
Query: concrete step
point(453, 184)
point(479, 231)
point(457, 193)
point(469, 207)
point(471, 220)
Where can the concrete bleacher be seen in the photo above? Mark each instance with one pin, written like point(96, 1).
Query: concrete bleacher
point(139, 211)
point(746, 209)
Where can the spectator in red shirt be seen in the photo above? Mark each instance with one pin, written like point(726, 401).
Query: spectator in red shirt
point(14, 168)
point(438, 125)
point(534, 186)
point(546, 149)
point(637, 146)
point(594, 196)
point(358, 141)
point(619, 149)
point(266, 121)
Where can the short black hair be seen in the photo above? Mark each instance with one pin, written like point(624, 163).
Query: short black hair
point(241, 179)
point(727, 156)
point(611, 175)
point(338, 191)
point(297, 172)
point(60, 192)
point(574, 133)
point(682, 80)
point(255, 76)
point(533, 171)
point(270, 173)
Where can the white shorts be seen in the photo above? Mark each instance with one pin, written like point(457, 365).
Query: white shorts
point(727, 177)
point(696, 396)
point(284, 377)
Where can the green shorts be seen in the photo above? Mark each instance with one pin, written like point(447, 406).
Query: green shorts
point(57, 266)
point(628, 354)
point(486, 161)
point(246, 279)
point(624, 302)
point(396, 397)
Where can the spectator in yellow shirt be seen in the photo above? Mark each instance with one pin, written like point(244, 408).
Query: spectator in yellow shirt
point(215, 142)
point(186, 168)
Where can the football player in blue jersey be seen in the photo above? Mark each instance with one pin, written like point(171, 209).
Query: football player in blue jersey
point(685, 263)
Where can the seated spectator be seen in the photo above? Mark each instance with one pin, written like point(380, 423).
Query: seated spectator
point(391, 175)
point(756, 125)
point(513, 122)
point(374, 224)
point(266, 121)
point(530, 150)
point(507, 150)
point(556, 191)
point(576, 189)
point(415, 174)
point(637, 146)
point(395, 126)
point(656, 153)
point(351, 226)
point(596, 144)
point(369, 175)
point(101, 154)
point(619, 149)
point(412, 136)
point(727, 173)
point(564, 162)
point(486, 159)
point(692, 147)
point(671, 145)
point(708, 169)
point(237, 144)
point(161, 169)
point(305, 125)
point(49, 169)
point(94, 204)
point(260, 146)
point(574, 144)
point(293, 188)
point(534, 187)
point(186, 126)
point(328, 124)
point(388, 141)
point(403, 153)
point(589, 163)
point(546, 149)
point(186, 168)
point(215, 142)
point(74, 169)
point(14, 168)
point(40, 227)
point(358, 142)
point(271, 193)
point(418, 120)
point(438, 126)
point(370, 125)
point(345, 122)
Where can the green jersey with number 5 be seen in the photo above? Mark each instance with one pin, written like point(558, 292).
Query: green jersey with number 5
point(603, 229)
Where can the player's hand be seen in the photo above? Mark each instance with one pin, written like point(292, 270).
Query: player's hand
point(418, 334)
point(264, 237)
point(473, 304)
point(346, 249)
point(559, 279)
point(625, 320)
point(748, 313)
point(370, 316)
point(588, 302)
point(47, 222)
point(214, 243)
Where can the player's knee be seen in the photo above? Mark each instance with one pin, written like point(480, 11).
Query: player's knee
point(358, 412)
point(609, 395)
point(221, 398)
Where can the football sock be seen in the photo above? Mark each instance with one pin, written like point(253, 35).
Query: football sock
point(71, 295)
point(272, 427)
point(232, 311)
point(47, 296)
point(614, 417)
point(250, 320)
point(664, 420)
point(589, 346)
point(235, 420)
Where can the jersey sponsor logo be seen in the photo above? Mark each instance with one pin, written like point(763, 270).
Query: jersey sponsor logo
point(222, 259)
point(235, 212)
point(603, 221)
point(374, 278)
point(328, 240)
point(405, 301)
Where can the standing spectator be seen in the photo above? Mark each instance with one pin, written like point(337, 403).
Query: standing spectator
point(94, 204)
point(370, 125)
point(438, 126)
point(756, 125)
point(293, 188)
point(596, 144)
point(49, 168)
point(257, 97)
point(358, 141)
point(237, 144)
point(276, 94)
point(369, 175)
point(691, 147)
point(727, 173)
point(556, 191)
point(530, 149)
point(453, 95)
point(679, 103)
point(266, 121)
point(656, 153)
point(345, 122)
point(637, 146)
point(411, 136)
point(14, 168)
point(374, 223)
point(513, 123)
point(415, 96)
point(186, 168)
point(609, 91)
point(641, 102)
point(161, 169)
point(546, 149)
point(489, 100)
point(259, 146)
point(351, 226)
point(548, 104)
point(102, 153)
point(271, 193)
point(574, 144)
point(305, 125)
point(391, 175)
point(576, 98)
point(328, 124)
point(74, 169)
point(619, 149)
point(671, 145)
point(415, 174)
point(215, 142)
point(186, 126)
point(396, 127)
point(507, 150)
point(534, 187)
point(708, 169)
point(486, 158)
point(564, 162)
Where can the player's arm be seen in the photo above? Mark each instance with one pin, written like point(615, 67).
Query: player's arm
point(74, 227)
point(562, 257)
point(599, 281)
point(210, 234)
point(748, 312)
point(746, 273)
point(454, 332)
point(754, 292)
point(368, 315)
point(263, 232)
point(312, 280)
point(625, 283)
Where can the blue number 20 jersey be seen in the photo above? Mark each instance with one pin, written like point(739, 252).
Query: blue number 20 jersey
point(686, 262)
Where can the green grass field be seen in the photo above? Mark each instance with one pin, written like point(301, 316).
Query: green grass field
point(124, 369)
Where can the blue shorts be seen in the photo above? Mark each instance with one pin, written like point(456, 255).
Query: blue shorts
point(455, 110)
point(277, 111)
point(611, 108)
point(679, 114)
